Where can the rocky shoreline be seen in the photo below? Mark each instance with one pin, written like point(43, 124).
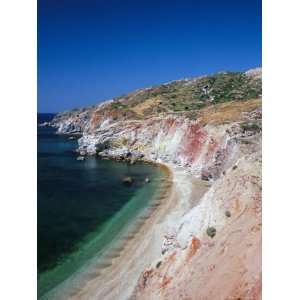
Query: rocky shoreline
point(202, 149)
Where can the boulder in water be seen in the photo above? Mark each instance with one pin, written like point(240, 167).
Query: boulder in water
point(128, 180)
point(44, 124)
point(132, 161)
point(80, 158)
point(147, 180)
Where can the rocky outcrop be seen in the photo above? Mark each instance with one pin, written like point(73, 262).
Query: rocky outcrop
point(174, 140)
point(206, 150)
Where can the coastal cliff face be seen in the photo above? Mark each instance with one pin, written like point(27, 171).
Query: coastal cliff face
point(210, 127)
point(192, 123)
point(196, 265)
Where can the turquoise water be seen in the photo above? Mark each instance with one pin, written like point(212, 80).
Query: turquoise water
point(83, 207)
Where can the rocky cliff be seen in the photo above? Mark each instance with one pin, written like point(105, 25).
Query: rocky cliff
point(210, 127)
point(195, 123)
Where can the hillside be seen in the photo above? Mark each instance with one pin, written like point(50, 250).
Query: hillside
point(185, 97)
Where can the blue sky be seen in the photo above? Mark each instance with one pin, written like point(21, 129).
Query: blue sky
point(90, 51)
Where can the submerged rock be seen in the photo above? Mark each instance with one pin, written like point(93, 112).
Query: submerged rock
point(44, 124)
point(132, 161)
point(127, 180)
point(80, 158)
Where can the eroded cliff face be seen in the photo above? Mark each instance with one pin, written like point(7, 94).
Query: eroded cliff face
point(226, 266)
point(211, 249)
point(204, 148)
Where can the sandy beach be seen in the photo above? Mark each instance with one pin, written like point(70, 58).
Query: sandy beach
point(116, 276)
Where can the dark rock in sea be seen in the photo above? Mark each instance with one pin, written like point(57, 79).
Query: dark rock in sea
point(128, 180)
point(103, 156)
point(132, 161)
point(44, 124)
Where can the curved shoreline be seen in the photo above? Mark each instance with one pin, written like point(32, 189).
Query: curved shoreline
point(144, 249)
point(120, 278)
point(101, 286)
point(121, 244)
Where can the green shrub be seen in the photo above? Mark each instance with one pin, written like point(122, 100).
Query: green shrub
point(250, 127)
point(211, 231)
point(246, 142)
point(158, 264)
point(192, 115)
point(227, 213)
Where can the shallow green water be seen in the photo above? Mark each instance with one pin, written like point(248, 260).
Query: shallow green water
point(82, 207)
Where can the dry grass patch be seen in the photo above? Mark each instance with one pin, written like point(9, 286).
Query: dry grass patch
point(141, 107)
point(227, 112)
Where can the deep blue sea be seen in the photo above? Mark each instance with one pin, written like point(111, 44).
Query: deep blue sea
point(82, 205)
